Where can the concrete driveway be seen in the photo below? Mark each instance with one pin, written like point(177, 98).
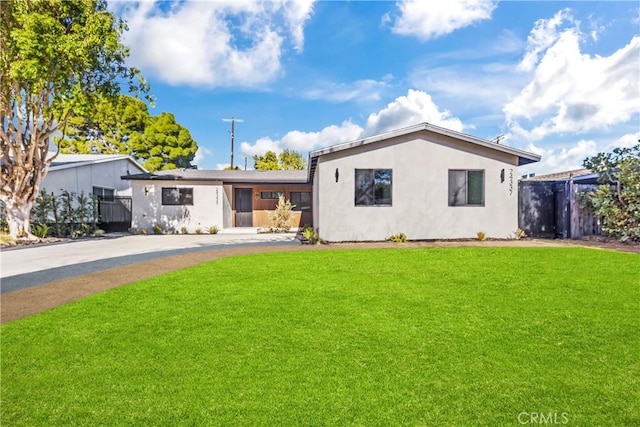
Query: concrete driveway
point(28, 266)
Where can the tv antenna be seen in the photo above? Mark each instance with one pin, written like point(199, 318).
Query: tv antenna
point(233, 121)
point(498, 138)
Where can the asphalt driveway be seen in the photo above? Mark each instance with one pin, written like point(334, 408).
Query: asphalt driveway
point(28, 266)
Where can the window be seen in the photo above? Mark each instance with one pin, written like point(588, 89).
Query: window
point(103, 193)
point(373, 187)
point(271, 195)
point(177, 196)
point(301, 200)
point(466, 188)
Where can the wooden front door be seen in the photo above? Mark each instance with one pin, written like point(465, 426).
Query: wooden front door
point(244, 207)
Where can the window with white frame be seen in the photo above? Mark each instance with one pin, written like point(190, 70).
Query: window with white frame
point(103, 193)
point(373, 187)
point(466, 187)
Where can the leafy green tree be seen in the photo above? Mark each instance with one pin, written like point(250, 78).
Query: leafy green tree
point(165, 144)
point(617, 198)
point(57, 60)
point(108, 129)
point(267, 162)
point(291, 160)
point(287, 160)
point(124, 126)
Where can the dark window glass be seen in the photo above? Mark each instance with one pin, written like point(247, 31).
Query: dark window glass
point(466, 187)
point(301, 200)
point(103, 193)
point(271, 195)
point(177, 196)
point(373, 187)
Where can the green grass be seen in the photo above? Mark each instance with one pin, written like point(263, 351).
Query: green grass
point(464, 336)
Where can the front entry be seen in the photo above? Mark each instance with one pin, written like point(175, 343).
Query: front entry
point(244, 207)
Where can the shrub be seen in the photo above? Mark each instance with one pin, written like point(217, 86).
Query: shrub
point(198, 230)
point(281, 216)
point(519, 234)
point(310, 235)
point(481, 235)
point(398, 238)
point(183, 230)
point(617, 199)
point(213, 230)
point(144, 231)
point(157, 229)
point(40, 230)
point(68, 214)
point(5, 239)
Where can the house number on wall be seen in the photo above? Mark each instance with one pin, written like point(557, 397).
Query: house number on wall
point(510, 182)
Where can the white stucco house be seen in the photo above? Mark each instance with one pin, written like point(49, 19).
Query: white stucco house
point(200, 199)
point(98, 174)
point(425, 181)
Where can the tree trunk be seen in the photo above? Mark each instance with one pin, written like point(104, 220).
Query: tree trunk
point(18, 217)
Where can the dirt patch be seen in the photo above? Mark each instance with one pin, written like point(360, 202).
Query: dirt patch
point(26, 302)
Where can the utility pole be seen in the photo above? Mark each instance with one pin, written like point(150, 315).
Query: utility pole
point(233, 121)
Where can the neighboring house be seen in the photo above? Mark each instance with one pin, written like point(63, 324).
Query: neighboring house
point(425, 181)
point(198, 199)
point(549, 205)
point(98, 174)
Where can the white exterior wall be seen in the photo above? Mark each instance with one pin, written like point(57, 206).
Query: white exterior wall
point(420, 205)
point(82, 178)
point(207, 209)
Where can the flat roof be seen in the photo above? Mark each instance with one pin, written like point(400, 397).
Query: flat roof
point(225, 176)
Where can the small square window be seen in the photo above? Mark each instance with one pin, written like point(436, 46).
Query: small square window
point(301, 200)
point(104, 194)
point(373, 187)
point(466, 187)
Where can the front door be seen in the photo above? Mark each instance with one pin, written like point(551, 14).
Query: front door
point(244, 207)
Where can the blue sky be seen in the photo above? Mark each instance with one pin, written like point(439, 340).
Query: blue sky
point(560, 79)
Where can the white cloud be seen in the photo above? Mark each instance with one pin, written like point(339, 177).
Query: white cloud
point(625, 141)
point(563, 158)
point(359, 90)
point(201, 153)
point(222, 166)
point(220, 43)
point(431, 19)
point(569, 91)
point(543, 35)
point(303, 142)
point(416, 107)
point(413, 108)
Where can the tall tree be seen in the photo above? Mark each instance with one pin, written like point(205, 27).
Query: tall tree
point(617, 199)
point(291, 160)
point(287, 160)
point(124, 126)
point(108, 128)
point(267, 162)
point(57, 59)
point(165, 144)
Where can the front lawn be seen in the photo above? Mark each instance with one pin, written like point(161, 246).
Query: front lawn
point(460, 336)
